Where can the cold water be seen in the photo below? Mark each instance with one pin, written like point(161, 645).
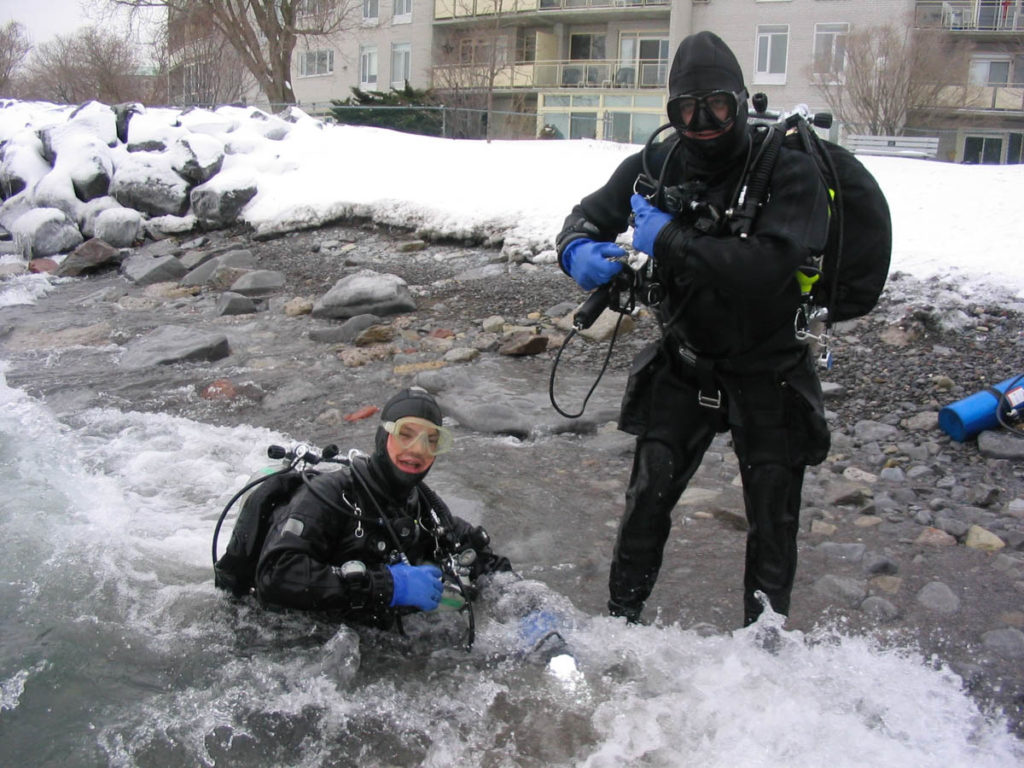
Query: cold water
point(116, 649)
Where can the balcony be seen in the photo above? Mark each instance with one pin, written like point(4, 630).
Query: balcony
point(467, 9)
point(591, 73)
point(997, 18)
point(987, 99)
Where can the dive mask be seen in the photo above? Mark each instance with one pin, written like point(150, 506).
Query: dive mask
point(409, 430)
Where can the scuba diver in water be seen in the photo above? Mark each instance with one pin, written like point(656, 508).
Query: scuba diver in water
point(371, 541)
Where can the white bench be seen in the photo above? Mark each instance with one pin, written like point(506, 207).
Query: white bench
point(926, 147)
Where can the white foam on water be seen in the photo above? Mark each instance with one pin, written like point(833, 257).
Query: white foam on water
point(24, 289)
point(107, 521)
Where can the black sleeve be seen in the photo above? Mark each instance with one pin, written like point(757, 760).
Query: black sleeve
point(300, 563)
point(791, 228)
point(604, 213)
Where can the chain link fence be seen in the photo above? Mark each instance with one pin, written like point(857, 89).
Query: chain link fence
point(443, 121)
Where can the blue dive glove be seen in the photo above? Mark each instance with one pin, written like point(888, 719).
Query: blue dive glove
point(648, 221)
point(418, 586)
point(587, 262)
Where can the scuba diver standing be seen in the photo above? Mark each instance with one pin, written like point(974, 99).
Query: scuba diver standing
point(728, 358)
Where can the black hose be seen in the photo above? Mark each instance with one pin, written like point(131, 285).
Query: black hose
point(600, 374)
point(235, 498)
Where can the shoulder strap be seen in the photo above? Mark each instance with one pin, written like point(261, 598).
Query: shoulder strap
point(754, 189)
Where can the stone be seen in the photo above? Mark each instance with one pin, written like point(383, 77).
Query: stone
point(45, 232)
point(985, 540)
point(365, 292)
point(143, 269)
point(297, 306)
point(172, 344)
point(216, 205)
point(258, 283)
point(1007, 642)
point(880, 608)
point(231, 303)
point(120, 227)
point(90, 256)
point(838, 589)
point(1000, 444)
point(523, 344)
point(144, 181)
point(933, 537)
point(936, 596)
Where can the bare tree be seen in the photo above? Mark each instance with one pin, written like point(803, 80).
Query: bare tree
point(891, 73)
point(89, 64)
point(472, 61)
point(198, 66)
point(264, 33)
point(14, 47)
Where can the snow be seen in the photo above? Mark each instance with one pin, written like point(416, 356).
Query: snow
point(953, 222)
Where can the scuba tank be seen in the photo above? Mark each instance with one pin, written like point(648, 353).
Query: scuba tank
point(985, 409)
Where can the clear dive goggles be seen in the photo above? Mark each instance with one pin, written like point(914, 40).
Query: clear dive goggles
point(410, 430)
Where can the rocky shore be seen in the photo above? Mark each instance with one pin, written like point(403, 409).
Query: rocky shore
point(906, 535)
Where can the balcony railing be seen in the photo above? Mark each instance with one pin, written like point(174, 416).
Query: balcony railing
point(971, 15)
point(591, 73)
point(458, 9)
point(988, 98)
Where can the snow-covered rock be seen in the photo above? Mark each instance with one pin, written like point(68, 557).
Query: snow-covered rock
point(120, 227)
point(45, 232)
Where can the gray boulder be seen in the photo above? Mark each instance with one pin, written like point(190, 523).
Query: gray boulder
point(45, 232)
point(259, 282)
point(197, 158)
point(173, 344)
point(88, 257)
point(366, 292)
point(143, 269)
point(121, 227)
point(218, 204)
point(203, 274)
point(231, 303)
point(146, 182)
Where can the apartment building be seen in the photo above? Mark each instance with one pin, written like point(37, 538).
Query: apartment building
point(390, 45)
point(598, 68)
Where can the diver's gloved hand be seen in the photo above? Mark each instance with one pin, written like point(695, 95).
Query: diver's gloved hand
point(417, 586)
point(648, 221)
point(587, 262)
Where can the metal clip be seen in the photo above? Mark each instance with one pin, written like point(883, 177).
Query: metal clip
point(708, 401)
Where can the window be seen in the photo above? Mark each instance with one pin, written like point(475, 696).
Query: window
point(990, 72)
point(586, 47)
point(830, 50)
point(313, 63)
point(526, 44)
point(772, 50)
point(371, 11)
point(368, 67)
point(642, 60)
point(401, 64)
point(983, 150)
point(483, 50)
point(402, 13)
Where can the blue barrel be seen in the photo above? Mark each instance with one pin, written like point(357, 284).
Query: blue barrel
point(965, 418)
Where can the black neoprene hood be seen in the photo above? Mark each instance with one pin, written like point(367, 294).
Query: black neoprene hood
point(414, 401)
point(703, 62)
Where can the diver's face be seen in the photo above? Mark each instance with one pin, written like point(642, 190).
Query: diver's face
point(412, 445)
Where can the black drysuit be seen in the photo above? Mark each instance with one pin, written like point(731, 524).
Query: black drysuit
point(300, 565)
point(728, 333)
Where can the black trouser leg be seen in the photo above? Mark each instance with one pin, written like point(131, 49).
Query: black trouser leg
point(772, 498)
point(659, 477)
